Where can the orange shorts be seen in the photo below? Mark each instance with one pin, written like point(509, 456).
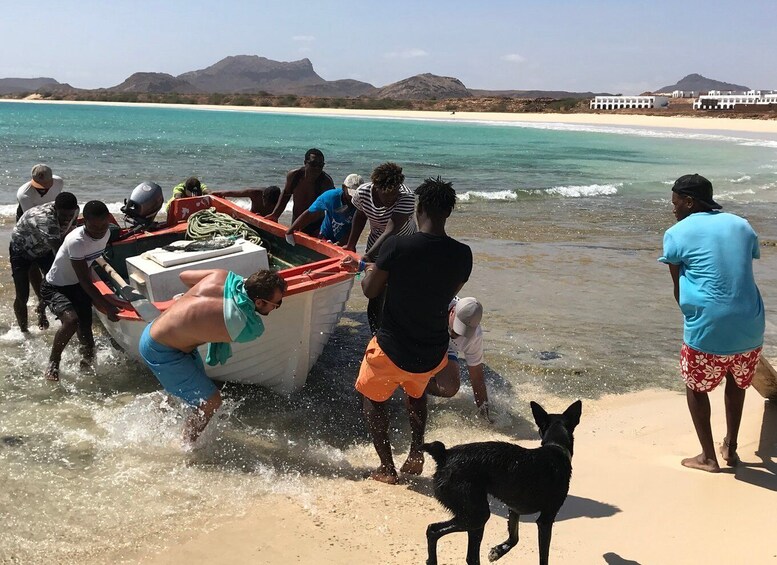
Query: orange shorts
point(379, 377)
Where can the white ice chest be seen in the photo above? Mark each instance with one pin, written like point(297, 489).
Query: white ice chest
point(155, 273)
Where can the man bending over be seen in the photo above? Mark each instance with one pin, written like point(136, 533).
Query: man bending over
point(220, 307)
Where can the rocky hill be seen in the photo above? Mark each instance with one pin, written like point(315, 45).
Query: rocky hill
point(699, 84)
point(17, 85)
point(154, 82)
point(251, 73)
point(532, 94)
point(336, 89)
point(424, 87)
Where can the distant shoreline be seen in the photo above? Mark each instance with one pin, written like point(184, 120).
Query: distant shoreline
point(603, 120)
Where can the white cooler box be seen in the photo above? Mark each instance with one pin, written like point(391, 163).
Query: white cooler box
point(155, 272)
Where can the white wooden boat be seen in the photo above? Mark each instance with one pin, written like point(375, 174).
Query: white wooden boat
point(295, 334)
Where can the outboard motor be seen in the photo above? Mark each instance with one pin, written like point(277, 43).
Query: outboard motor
point(142, 206)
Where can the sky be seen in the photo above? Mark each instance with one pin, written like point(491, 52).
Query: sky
point(616, 46)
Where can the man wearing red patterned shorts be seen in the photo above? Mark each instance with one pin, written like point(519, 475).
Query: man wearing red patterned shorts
point(710, 256)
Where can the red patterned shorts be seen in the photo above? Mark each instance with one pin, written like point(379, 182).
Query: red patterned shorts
point(702, 372)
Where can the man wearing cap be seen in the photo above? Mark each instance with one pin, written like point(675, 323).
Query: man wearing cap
point(334, 210)
point(710, 256)
point(464, 315)
point(188, 188)
point(43, 187)
point(305, 184)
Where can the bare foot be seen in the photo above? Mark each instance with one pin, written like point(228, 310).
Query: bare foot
point(728, 451)
point(701, 463)
point(52, 373)
point(43, 321)
point(388, 476)
point(414, 464)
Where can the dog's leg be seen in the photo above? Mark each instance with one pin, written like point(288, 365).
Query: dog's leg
point(435, 531)
point(512, 537)
point(475, 537)
point(545, 527)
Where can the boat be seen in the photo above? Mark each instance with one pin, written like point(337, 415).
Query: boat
point(295, 335)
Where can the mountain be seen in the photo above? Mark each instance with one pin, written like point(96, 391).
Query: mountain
point(424, 87)
point(17, 85)
point(700, 84)
point(336, 89)
point(159, 83)
point(251, 73)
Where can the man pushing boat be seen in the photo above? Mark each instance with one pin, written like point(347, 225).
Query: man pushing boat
point(220, 307)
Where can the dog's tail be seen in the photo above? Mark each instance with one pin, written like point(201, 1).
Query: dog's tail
point(437, 450)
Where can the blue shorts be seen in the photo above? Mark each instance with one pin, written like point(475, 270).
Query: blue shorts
point(182, 374)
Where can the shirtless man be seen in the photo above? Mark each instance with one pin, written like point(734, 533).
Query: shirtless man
point(263, 200)
point(306, 184)
point(220, 307)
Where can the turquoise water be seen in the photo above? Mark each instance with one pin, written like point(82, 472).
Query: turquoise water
point(104, 151)
point(565, 224)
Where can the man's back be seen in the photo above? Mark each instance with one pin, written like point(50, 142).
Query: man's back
point(719, 299)
point(425, 272)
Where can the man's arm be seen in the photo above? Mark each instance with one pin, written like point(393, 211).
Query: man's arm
point(306, 218)
point(357, 227)
point(283, 200)
point(374, 281)
point(246, 193)
point(674, 270)
point(82, 269)
point(191, 278)
point(396, 223)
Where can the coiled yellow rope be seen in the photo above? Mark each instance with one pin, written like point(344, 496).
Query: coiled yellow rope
point(208, 223)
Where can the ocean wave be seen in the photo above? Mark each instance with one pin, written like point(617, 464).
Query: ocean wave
point(585, 190)
point(730, 194)
point(743, 178)
point(487, 195)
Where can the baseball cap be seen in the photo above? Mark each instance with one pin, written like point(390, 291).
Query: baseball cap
point(698, 188)
point(41, 176)
point(353, 182)
point(467, 315)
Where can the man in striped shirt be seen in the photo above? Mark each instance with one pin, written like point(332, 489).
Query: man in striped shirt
point(388, 205)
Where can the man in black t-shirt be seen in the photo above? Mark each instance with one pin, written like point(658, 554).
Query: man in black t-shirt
point(422, 273)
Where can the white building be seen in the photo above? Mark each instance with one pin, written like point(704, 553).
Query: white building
point(621, 102)
point(683, 94)
point(716, 101)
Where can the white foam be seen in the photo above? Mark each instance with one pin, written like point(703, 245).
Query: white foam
point(487, 195)
point(743, 178)
point(584, 191)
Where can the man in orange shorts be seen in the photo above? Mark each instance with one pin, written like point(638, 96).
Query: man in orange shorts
point(421, 273)
point(710, 256)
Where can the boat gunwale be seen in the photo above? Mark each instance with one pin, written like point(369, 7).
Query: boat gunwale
point(299, 279)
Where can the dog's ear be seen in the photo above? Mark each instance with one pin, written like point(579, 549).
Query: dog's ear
point(572, 414)
point(540, 416)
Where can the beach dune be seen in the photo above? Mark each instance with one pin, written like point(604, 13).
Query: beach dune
point(630, 502)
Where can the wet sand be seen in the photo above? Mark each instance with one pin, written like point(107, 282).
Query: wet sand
point(630, 502)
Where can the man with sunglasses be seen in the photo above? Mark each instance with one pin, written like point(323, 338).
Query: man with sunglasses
point(305, 184)
point(220, 307)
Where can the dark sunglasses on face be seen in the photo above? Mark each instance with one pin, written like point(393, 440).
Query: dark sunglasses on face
point(276, 305)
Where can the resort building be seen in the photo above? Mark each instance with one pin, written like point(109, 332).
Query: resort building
point(622, 102)
point(714, 100)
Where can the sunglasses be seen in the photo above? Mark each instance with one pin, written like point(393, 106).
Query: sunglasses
point(277, 305)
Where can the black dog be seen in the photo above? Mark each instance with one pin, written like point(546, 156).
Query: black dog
point(526, 480)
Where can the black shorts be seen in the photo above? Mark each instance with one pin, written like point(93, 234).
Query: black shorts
point(59, 299)
point(21, 262)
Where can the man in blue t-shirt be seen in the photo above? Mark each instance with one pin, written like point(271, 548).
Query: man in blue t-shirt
point(337, 209)
point(710, 256)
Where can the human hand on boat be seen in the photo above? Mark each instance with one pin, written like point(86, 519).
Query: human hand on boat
point(272, 217)
point(349, 264)
point(112, 312)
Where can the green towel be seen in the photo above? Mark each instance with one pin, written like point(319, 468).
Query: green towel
point(240, 316)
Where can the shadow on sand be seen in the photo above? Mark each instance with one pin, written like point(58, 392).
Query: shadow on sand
point(763, 474)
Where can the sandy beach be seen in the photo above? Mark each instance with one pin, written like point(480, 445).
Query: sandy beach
point(703, 122)
point(630, 502)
